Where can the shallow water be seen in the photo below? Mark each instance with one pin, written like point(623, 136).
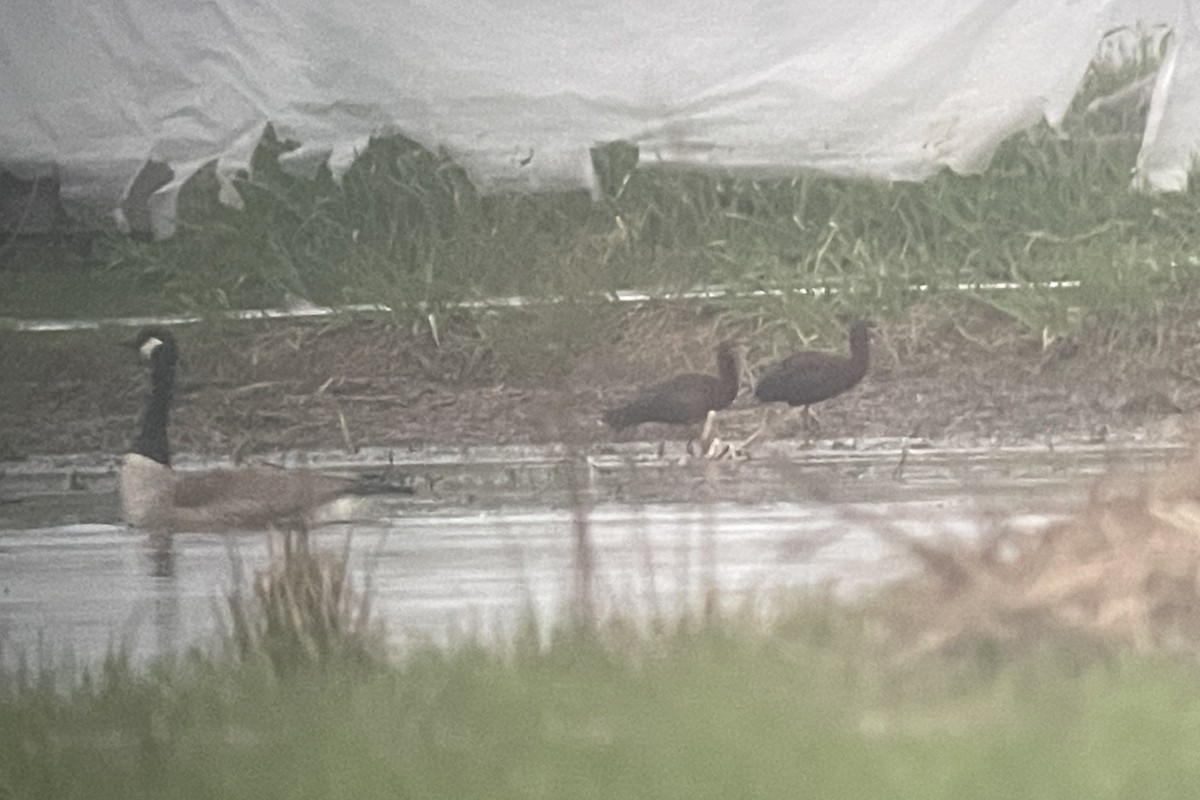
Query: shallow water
point(490, 532)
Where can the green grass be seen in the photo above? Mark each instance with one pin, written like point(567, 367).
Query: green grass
point(734, 707)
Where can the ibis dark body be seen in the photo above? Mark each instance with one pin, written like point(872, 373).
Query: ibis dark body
point(683, 400)
point(812, 376)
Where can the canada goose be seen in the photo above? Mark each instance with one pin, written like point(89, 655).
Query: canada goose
point(811, 376)
point(685, 399)
point(153, 495)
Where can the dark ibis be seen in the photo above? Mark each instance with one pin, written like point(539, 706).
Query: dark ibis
point(685, 399)
point(812, 376)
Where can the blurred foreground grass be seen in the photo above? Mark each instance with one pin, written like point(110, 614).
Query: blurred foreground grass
point(804, 705)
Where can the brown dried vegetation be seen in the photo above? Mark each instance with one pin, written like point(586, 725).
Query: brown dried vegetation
point(302, 610)
point(953, 370)
point(1125, 567)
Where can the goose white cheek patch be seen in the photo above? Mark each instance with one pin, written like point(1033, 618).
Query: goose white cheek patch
point(149, 346)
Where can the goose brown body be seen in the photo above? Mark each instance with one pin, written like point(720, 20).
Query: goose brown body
point(684, 399)
point(811, 376)
point(157, 497)
point(154, 495)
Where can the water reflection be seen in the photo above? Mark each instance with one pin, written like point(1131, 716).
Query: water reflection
point(482, 543)
point(160, 555)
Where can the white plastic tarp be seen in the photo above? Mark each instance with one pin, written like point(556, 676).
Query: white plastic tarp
point(518, 92)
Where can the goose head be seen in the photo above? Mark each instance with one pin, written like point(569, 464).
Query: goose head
point(155, 345)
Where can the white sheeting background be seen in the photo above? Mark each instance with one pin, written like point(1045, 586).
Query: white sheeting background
point(518, 92)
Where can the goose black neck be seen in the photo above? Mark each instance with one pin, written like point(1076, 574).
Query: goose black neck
point(151, 441)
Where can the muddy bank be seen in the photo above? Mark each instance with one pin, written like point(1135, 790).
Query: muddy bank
point(962, 374)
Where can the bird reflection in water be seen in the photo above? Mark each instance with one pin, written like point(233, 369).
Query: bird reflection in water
point(160, 554)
